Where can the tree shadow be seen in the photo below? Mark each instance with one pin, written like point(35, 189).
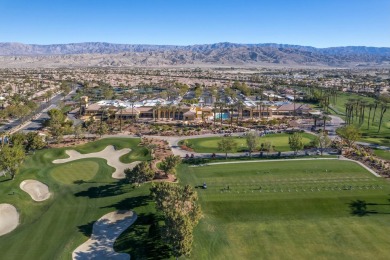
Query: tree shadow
point(8, 179)
point(108, 190)
point(86, 229)
point(79, 182)
point(143, 239)
point(130, 203)
point(359, 208)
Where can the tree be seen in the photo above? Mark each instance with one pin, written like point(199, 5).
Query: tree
point(181, 210)
point(227, 144)
point(140, 173)
point(78, 132)
point(384, 107)
point(251, 142)
point(57, 132)
point(34, 141)
point(56, 117)
point(295, 142)
point(18, 138)
point(102, 129)
point(324, 119)
point(350, 134)
point(266, 146)
point(11, 158)
point(322, 141)
point(169, 163)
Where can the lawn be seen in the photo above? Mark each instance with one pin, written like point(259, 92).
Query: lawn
point(327, 209)
point(82, 192)
point(210, 144)
point(384, 154)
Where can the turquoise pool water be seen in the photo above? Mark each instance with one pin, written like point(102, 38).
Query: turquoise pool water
point(224, 116)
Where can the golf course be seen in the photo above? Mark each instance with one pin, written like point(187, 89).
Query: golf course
point(301, 209)
point(279, 141)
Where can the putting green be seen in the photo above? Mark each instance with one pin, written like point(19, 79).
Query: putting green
point(72, 172)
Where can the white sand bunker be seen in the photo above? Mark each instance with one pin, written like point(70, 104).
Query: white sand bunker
point(9, 218)
point(36, 189)
point(104, 233)
point(109, 153)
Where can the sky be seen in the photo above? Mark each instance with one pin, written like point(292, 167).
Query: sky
point(318, 23)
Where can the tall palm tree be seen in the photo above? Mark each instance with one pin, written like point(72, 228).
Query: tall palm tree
point(315, 117)
point(370, 106)
point(383, 106)
point(157, 111)
point(324, 119)
point(179, 110)
point(174, 110)
point(120, 118)
point(221, 107)
point(215, 106)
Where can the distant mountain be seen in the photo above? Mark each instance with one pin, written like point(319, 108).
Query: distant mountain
point(218, 54)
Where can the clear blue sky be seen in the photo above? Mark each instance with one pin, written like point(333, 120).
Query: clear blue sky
point(319, 23)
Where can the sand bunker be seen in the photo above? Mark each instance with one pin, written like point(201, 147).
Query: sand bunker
point(37, 190)
point(109, 153)
point(9, 218)
point(104, 233)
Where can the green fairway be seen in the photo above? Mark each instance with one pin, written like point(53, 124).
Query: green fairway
point(54, 228)
point(283, 210)
point(70, 173)
point(280, 141)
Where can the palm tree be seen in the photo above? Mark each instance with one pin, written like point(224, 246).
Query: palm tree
point(295, 93)
point(174, 110)
point(221, 106)
point(383, 107)
point(315, 117)
point(157, 110)
point(168, 110)
point(120, 118)
point(180, 109)
point(215, 106)
point(370, 106)
point(324, 119)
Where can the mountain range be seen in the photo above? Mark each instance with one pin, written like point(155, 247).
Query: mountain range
point(101, 54)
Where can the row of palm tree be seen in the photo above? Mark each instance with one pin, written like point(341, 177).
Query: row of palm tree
point(355, 111)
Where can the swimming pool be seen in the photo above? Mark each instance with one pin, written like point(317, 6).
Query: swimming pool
point(223, 115)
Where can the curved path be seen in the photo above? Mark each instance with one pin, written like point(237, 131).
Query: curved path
point(104, 233)
point(9, 218)
point(36, 189)
point(109, 154)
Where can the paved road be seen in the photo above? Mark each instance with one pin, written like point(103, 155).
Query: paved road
point(41, 116)
point(36, 123)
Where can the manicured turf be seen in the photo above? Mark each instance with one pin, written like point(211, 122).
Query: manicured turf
point(384, 154)
point(69, 173)
point(54, 228)
point(327, 209)
point(280, 141)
